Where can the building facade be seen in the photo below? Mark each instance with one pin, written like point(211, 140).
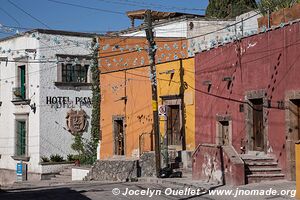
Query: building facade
point(176, 93)
point(247, 108)
point(126, 108)
point(202, 33)
point(45, 98)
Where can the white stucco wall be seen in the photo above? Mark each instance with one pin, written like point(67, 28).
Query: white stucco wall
point(47, 132)
point(203, 33)
point(8, 111)
point(53, 136)
point(169, 29)
point(249, 22)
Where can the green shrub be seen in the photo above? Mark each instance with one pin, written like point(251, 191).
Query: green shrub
point(45, 159)
point(56, 158)
point(71, 157)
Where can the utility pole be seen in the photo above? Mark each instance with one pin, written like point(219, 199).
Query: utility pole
point(269, 18)
point(152, 51)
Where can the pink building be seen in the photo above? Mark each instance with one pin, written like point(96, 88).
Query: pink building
point(248, 108)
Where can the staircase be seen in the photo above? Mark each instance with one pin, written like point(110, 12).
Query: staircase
point(260, 168)
point(63, 176)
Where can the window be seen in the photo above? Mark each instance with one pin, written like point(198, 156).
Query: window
point(22, 81)
point(74, 73)
point(19, 92)
point(73, 70)
point(21, 138)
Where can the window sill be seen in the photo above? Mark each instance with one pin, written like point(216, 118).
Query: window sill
point(72, 84)
point(21, 102)
point(23, 158)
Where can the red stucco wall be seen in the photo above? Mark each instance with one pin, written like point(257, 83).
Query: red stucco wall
point(267, 61)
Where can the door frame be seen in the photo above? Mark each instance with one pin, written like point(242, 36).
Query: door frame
point(252, 95)
point(116, 118)
point(290, 135)
point(219, 136)
point(177, 100)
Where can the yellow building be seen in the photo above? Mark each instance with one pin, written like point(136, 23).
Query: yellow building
point(176, 95)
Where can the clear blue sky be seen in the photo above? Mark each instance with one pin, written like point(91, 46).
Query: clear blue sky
point(66, 17)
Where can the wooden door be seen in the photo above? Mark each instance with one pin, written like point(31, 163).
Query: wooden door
point(119, 137)
point(258, 129)
point(174, 132)
point(225, 132)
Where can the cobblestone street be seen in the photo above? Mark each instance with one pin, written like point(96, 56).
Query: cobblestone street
point(100, 190)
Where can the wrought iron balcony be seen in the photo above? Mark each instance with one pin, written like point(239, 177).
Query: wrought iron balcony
point(19, 96)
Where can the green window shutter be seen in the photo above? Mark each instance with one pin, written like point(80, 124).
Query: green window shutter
point(23, 81)
point(21, 138)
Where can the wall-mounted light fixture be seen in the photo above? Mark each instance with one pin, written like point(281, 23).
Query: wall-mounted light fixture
point(208, 84)
point(228, 79)
point(0, 103)
point(33, 107)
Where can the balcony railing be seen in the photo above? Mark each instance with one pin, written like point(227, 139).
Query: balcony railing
point(19, 94)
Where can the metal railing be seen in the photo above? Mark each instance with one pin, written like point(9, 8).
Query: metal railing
point(18, 94)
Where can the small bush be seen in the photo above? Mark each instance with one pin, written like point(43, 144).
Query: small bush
point(45, 159)
point(56, 158)
point(71, 157)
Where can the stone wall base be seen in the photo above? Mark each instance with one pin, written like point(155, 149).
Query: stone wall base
point(113, 170)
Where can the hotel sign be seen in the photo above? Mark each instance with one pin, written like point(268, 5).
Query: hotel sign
point(67, 102)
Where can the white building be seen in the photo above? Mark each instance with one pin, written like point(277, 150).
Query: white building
point(44, 74)
point(202, 32)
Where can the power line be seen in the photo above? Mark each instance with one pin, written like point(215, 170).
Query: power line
point(86, 7)
point(12, 17)
point(169, 7)
point(24, 11)
point(146, 5)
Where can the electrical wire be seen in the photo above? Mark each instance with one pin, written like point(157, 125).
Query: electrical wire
point(86, 7)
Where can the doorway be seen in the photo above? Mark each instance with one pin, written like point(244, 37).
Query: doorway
point(173, 125)
point(293, 135)
point(258, 128)
point(119, 136)
point(256, 121)
point(224, 130)
point(224, 125)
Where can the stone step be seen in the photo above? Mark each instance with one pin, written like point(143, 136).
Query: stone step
point(258, 159)
point(266, 170)
point(256, 178)
point(252, 165)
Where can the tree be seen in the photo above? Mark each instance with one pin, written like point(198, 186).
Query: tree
point(275, 5)
point(225, 9)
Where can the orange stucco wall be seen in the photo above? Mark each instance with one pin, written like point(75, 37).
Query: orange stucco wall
point(126, 90)
point(136, 110)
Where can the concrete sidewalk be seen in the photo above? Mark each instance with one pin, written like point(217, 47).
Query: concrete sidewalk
point(284, 189)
